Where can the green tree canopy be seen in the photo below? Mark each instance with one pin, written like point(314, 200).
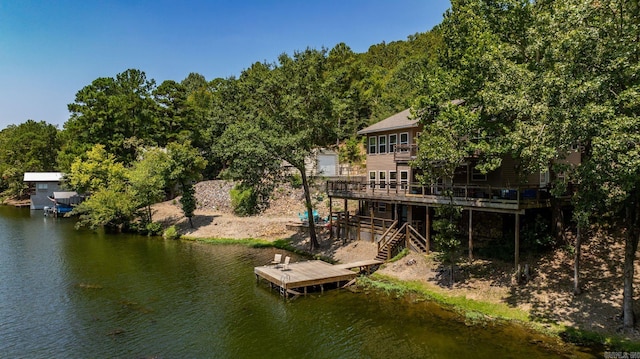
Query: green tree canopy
point(119, 113)
point(29, 147)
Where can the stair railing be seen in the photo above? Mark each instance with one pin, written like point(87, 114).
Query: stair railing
point(416, 241)
point(386, 236)
point(392, 241)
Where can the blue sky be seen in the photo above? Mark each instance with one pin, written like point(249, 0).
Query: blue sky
point(51, 49)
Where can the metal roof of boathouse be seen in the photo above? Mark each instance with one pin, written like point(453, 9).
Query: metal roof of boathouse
point(42, 176)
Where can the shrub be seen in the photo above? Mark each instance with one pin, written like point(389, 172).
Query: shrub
point(244, 200)
point(171, 233)
point(154, 229)
point(295, 180)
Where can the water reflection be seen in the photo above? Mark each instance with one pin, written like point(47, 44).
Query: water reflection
point(68, 293)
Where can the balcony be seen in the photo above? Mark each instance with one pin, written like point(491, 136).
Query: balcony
point(405, 153)
point(468, 196)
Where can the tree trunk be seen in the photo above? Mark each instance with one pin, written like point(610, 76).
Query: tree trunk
point(451, 278)
point(557, 219)
point(630, 248)
point(150, 214)
point(313, 243)
point(576, 262)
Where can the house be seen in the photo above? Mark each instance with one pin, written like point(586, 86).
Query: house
point(395, 210)
point(41, 187)
point(322, 162)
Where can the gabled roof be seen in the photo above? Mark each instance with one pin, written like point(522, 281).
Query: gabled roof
point(42, 176)
point(401, 120)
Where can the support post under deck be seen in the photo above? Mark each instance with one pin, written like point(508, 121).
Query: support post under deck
point(517, 251)
point(470, 235)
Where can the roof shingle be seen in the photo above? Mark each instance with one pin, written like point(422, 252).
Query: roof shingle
point(401, 120)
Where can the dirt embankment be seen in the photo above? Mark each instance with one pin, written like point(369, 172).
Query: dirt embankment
point(547, 296)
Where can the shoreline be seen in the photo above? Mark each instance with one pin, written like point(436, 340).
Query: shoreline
point(469, 311)
point(546, 298)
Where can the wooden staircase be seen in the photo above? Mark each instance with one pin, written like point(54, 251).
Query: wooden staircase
point(395, 239)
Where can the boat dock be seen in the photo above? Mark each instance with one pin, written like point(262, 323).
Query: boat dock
point(295, 278)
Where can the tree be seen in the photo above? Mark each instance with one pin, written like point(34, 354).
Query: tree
point(173, 114)
point(110, 203)
point(119, 113)
point(545, 77)
point(95, 170)
point(147, 179)
point(188, 202)
point(185, 166)
point(446, 237)
point(29, 147)
point(288, 116)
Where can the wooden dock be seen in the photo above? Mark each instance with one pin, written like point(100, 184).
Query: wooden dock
point(295, 278)
point(364, 266)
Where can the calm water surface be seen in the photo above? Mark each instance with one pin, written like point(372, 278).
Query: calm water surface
point(78, 294)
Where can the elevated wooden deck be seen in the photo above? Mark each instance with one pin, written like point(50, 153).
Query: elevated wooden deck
point(483, 198)
point(301, 275)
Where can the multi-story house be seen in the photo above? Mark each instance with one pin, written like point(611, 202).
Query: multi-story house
point(395, 210)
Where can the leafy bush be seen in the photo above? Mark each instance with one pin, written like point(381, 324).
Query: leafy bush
point(171, 233)
point(154, 229)
point(244, 200)
point(295, 180)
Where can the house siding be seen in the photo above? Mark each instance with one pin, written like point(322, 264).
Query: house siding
point(40, 196)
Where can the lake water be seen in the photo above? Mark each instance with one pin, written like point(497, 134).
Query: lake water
point(66, 293)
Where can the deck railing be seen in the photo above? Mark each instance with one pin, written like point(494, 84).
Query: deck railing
point(404, 153)
point(502, 194)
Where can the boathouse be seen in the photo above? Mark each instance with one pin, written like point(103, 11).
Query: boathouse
point(41, 186)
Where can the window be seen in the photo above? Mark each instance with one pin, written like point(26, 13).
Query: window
point(42, 186)
point(382, 144)
point(404, 141)
point(476, 175)
point(372, 144)
point(544, 178)
point(393, 179)
point(382, 207)
point(393, 141)
point(404, 178)
point(382, 176)
point(561, 177)
point(372, 179)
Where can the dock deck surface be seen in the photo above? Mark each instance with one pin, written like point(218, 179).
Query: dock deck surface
point(304, 274)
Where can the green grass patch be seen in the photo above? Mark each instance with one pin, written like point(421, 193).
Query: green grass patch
point(461, 304)
point(284, 244)
point(249, 242)
point(403, 253)
point(477, 312)
point(589, 338)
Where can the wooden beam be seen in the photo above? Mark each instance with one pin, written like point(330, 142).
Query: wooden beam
point(517, 251)
point(470, 236)
point(331, 224)
point(346, 224)
point(371, 216)
point(428, 228)
point(409, 223)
